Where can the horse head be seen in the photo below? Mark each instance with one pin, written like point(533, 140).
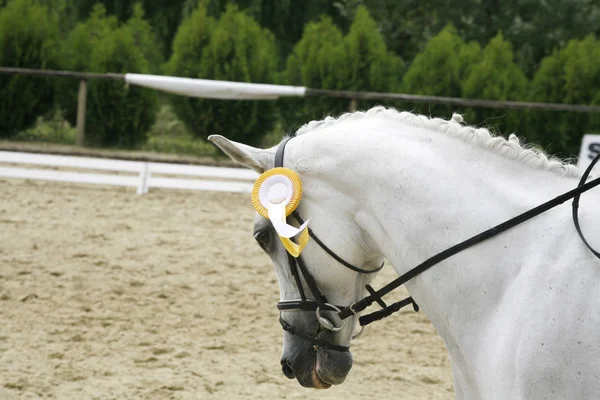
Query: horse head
point(328, 275)
point(407, 188)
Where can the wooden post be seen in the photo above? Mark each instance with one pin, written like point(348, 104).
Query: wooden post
point(353, 103)
point(81, 105)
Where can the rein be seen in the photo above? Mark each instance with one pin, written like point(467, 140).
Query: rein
point(319, 303)
point(574, 194)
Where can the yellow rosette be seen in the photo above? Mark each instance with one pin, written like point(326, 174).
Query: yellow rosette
point(276, 194)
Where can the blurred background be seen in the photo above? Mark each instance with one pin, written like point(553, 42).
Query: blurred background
point(523, 50)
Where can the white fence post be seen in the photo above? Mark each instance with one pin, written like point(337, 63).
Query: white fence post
point(144, 175)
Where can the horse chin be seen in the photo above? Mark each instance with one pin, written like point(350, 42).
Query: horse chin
point(324, 369)
point(314, 366)
point(332, 367)
point(317, 382)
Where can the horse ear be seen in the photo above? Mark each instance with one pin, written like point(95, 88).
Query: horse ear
point(257, 159)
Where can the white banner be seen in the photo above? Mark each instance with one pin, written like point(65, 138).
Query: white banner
point(590, 147)
point(211, 89)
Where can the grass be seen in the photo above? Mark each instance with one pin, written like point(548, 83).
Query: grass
point(168, 135)
point(53, 130)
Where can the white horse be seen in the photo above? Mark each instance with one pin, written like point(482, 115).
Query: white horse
point(519, 313)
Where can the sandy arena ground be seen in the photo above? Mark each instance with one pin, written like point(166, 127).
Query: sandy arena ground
point(108, 295)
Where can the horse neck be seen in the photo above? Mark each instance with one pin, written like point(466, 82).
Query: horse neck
point(422, 192)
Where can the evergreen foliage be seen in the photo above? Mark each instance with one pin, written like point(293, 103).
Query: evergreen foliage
point(117, 115)
point(322, 59)
point(163, 15)
point(366, 64)
point(28, 39)
point(287, 19)
point(440, 69)
point(496, 77)
point(572, 76)
point(235, 48)
point(314, 63)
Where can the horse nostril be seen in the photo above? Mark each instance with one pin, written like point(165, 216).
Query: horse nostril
point(287, 369)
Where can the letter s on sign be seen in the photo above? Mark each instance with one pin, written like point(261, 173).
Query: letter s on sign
point(594, 149)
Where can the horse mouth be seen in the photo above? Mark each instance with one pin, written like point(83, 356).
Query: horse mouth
point(318, 383)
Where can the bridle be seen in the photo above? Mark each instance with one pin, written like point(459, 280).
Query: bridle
point(320, 302)
point(375, 296)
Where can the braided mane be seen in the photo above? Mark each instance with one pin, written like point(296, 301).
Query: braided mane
point(510, 148)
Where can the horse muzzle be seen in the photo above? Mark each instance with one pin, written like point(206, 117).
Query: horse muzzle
point(312, 365)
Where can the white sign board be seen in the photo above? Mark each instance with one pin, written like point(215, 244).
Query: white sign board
point(590, 147)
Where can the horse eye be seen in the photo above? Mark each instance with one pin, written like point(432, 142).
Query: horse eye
point(262, 238)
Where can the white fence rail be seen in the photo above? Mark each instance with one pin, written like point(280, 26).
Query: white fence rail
point(138, 174)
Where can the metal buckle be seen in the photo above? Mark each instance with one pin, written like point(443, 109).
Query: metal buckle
point(327, 324)
point(351, 308)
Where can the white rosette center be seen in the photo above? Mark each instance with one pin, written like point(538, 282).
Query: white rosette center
point(275, 194)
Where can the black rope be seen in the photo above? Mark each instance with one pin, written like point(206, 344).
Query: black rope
point(419, 269)
point(576, 205)
point(331, 253)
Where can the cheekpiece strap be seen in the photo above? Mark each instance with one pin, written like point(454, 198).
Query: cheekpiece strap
point(281, 151)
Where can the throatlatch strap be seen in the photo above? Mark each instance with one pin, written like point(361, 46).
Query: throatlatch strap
point(576, 205)
point(424, 266)
point(331, 253)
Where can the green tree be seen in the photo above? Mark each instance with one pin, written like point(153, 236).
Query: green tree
point(286, 19)
point(572, 76)
point(497, 77)
point(534, 28)
point(366, 64)
point(28, 39)
point(235, 48)
point(77, 51)
point(313, 63)
point(405, 25)
point(144, 38)
point(118, 115)
point(323, 60)
point(369, 64)
point(440, 69)
point(163, 15)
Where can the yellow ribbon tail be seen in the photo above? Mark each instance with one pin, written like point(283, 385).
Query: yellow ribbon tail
point(293, 248)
